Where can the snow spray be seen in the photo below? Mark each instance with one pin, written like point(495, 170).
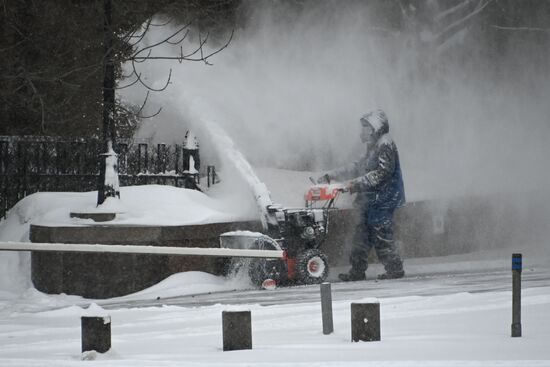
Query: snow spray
point(225, 144)
point(464, 121)
point(204, 118)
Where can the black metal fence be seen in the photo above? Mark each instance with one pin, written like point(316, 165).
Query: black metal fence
point(29, 165)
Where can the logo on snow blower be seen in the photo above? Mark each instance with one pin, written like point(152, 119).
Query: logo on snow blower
point(323, 192)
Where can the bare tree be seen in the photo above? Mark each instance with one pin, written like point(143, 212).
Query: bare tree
point(176, 39)
point(137, 54)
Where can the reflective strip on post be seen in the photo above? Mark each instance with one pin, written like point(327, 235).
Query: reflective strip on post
point(517, 262)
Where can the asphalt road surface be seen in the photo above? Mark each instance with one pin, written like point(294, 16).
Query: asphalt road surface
point(427, 284)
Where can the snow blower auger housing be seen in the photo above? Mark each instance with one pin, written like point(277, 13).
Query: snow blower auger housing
point(299, 232)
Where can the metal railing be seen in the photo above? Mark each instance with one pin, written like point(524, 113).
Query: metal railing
point(33, 164)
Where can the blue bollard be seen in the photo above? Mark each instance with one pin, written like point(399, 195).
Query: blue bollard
point(516, 294)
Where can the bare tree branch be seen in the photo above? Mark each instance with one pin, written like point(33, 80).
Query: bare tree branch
point(141, 36)
point(170, 20)
point(131, 84)
point(452, 10)
point(199, 48)
point(150, 116)
point(144, 103)
point(139, 113)
point(174, 34)
point(12, 46)
point(143, 54)
point(138, 76)
point(187, 56)
point(42, 122)
point(143, 59)
point(529, 29)
point(179, 41)
point(481, 5)
point(201, 44)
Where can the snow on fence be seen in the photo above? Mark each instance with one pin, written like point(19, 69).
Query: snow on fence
point(132, 249)
point(32, 164)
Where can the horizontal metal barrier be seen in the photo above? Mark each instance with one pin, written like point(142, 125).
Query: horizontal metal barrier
point(132, 249)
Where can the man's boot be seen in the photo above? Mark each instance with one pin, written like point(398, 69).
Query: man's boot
point(352, 276)
point(392, 275)
point(394, 268)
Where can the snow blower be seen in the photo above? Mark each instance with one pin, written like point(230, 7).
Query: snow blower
point(299, 232)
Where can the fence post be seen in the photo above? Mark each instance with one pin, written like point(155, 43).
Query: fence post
point(161, 158)
point(142, 155)
point(210, 175)
point(96, 334)
point(237, 330)
point(22, 163)
point(516, 294)
point(122, 150)
point(326, 308)
point(4, 204)
point(365, 322)
point(177, 154)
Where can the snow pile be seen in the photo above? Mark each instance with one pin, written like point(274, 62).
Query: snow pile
point(191, 282)
point(138, 205)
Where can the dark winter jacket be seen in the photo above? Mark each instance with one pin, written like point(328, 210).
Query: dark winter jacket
point(376, 178)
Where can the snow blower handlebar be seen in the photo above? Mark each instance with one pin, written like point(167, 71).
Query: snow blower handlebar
point(327, 193)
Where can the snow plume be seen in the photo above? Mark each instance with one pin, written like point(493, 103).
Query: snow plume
point(241, 166)
point(297, 77)
point(241, 186)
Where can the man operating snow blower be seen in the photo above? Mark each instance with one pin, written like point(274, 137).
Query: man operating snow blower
point(376, 178)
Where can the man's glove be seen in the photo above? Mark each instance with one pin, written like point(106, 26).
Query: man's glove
point(344, 189)
point(324, 179)
point(349, 188)
point(354, 186)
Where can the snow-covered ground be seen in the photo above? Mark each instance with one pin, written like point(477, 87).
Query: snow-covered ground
point(462, 328)
point(451, 311)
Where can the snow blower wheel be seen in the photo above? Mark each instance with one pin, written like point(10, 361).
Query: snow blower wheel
point(312, 267)
point(260, 270)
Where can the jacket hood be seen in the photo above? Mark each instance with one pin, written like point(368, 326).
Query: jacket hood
point(379, 122)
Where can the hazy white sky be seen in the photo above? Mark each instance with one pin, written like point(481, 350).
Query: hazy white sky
point(291, 88)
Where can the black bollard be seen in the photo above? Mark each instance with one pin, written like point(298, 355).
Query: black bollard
point(96, 334)
point(326, 308)
point(237, 330)
point(516, 294)
point(365, 322)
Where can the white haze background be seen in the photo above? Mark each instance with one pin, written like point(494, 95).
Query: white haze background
point(291, 86)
